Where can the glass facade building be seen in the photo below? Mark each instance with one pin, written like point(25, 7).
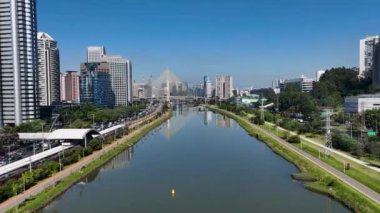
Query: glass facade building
point(95, 85)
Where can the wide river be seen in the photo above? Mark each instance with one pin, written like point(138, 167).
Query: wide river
point(210, 161)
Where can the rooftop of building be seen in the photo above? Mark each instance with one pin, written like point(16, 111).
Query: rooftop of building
point(366, 96)
point(42, 35)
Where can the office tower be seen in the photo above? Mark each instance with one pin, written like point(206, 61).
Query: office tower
point(305, 84)
point(376, 66)
point(18, 62)
point(95, 84)
point(368, 47)
point(70, 87)
point(95, 54)
point(48, 70)
point(63, 87)
point(207, 87)
point(275, 84)
point(130, 82)
point(319, 74)
point(120, 71)
point(223, 86)
point(142, 90)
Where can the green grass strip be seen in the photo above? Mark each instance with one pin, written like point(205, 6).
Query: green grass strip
point(358, 172)
point(325, 184)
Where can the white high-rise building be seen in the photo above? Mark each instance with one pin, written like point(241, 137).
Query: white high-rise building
point(48, 70)
point(95, 54)
point(367, 53)
point(207, 87)
point(120, 71)
point(305, 84)
point(63, 87)
point(223, 86)
point(18, 62)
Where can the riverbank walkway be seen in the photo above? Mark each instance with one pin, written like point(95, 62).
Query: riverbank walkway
point(51, 181)
point(341, 176)
point(331, 150)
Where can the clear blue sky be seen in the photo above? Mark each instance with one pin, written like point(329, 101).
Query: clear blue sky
point(253, 40)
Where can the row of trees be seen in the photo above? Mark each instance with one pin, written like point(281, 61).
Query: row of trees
point(301, 112)
point(76, 117)
point(27, 180)
point(83, 116)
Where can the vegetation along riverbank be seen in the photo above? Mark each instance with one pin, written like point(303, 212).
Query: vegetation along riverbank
point(42, 199)
point(324, 182)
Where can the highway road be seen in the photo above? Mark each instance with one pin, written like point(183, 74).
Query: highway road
point(31, 159)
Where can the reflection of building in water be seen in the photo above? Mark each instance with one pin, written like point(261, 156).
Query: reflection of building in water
point(120, 161)
point(207, 117)
point(177, 122)
point(223, 121)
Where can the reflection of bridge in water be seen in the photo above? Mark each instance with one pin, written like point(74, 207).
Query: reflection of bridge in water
point(177, 122)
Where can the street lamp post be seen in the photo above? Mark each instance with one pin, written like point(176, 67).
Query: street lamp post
point(30, 163)
point(43, 138)
point(93, 121)
point(9, 154)
point(23, 180)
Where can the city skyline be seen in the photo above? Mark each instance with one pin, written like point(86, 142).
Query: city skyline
point(271, 38)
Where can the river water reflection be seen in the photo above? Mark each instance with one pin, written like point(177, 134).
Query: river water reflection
point(211, 162)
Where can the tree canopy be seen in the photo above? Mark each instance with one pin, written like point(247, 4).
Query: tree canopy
point(337, 83)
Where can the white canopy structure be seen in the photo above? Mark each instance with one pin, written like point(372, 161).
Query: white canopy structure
point(33, 136)
point(72, 134)
point(60, 134)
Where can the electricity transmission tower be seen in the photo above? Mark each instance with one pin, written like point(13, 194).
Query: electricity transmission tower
point(262, 115)
point(328, 140)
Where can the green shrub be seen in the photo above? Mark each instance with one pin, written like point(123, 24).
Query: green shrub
point(88, 151)
point(96, 144)
point(294, 139)
point(257, 120)
point(344, 142)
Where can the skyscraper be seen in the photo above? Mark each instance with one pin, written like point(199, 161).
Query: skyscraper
point(120, 71)
point(63, 87)
point(130, 82)
point(95, 84)
point(207, 87)
point(48, 70)
point(223, 86)
point(368, 48)
point(95, 54)
point(376, 66)
point(70, 87)
point(18, 62)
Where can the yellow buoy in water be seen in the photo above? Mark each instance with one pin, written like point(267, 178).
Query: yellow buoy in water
point(173, 192)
